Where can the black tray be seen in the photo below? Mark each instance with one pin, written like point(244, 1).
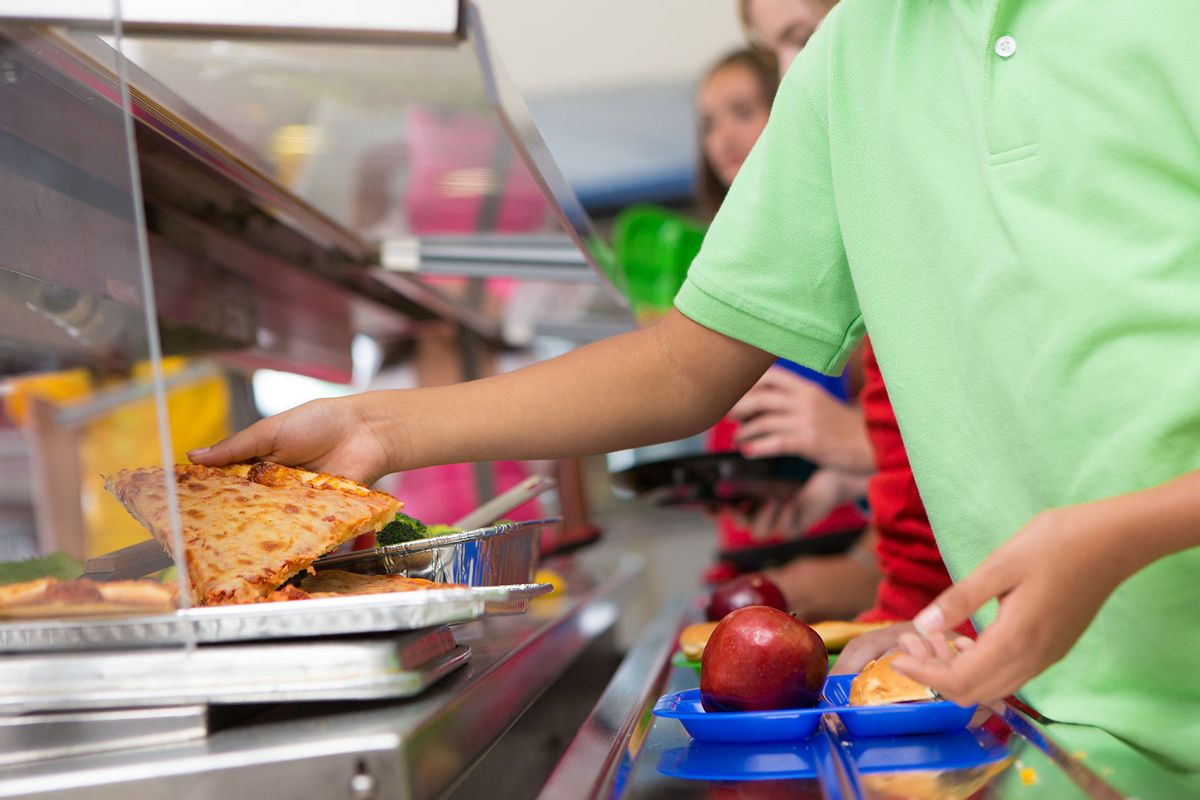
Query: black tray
point(755, 559)
point(715, 478)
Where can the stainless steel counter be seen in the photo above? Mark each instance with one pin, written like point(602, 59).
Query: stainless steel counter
point(621, 750)
point(418, 748)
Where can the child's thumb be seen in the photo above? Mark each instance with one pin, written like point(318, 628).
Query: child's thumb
point(955, 606)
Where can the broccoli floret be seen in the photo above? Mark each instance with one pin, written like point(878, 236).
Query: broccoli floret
point(402, 529)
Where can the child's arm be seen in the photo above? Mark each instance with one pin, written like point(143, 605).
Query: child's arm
point(667, 381)
point(1051, 578)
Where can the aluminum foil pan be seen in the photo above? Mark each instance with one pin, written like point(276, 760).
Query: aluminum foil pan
point(493, 556)
point(330, 669)
point(332, 616)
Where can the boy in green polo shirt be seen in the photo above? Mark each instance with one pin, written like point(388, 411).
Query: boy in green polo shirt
point(1007, 194)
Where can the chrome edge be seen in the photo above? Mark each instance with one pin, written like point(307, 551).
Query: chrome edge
point(608, 739)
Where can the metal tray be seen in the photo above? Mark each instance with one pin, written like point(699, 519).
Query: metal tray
point(333, 616)
point(366, 668)
point(755, 559)
point(493, 556)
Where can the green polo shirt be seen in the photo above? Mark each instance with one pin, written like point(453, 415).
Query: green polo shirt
point(1007, 195)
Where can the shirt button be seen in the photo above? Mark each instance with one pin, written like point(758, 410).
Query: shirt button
point(1006, 46)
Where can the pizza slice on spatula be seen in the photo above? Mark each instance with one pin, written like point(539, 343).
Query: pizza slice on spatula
point(247, 528)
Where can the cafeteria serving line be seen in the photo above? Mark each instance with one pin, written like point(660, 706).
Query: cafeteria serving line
point(232, 235)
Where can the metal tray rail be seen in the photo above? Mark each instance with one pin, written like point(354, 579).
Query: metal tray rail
point(331, 669)
point(38, 737)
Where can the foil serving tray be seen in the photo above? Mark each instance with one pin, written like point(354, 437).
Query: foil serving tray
point(332, 616)
point(363, 668)
point(493, 556)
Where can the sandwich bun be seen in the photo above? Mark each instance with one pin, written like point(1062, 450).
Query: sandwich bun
point(693, 638)
point(878, 683)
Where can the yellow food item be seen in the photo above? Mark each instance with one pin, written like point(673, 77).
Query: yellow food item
point(947, 785)
point(837, 634)
point(551, 577)
point(693, 638)
point(878, 683)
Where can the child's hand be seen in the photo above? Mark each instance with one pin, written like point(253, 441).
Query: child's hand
point(793, 515)
point(785, 414)
point(334, 436)
point(1051, 578)
point(864, 649)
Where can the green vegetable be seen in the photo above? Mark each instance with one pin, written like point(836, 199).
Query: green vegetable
point(55, 565)
point(402, 529)
point(441, 530)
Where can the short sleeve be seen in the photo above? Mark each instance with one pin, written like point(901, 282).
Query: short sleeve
point(773, 270)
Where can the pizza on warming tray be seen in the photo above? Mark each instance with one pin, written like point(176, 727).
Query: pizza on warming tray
point(50, 597)
point(248, 528)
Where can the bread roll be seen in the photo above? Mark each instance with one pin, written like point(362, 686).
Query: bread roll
point(878, 683)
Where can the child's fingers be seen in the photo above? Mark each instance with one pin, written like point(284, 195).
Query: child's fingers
point(762, 425)
point(955, 606)
point(941, 648)
point(766, 520)
point(766, 446)
point(992, 668)
point(253, 442)
point(915, 646)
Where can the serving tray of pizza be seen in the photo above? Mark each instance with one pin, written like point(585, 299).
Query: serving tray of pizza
point(250, 534)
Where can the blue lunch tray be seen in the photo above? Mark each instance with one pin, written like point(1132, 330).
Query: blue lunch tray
point(892, 719)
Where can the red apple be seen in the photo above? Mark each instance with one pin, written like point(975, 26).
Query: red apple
point(761, 659)
point(748, 590)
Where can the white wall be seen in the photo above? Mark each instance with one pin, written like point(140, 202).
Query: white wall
point(565, 46)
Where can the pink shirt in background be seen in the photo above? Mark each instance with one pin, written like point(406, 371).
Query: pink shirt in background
point(447, 493)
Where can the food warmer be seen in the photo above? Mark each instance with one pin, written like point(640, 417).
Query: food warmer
point(194, 194)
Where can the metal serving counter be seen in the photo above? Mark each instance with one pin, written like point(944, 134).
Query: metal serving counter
point(410, 749)
point(622, 751)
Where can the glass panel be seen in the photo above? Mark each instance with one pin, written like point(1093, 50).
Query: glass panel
point(392, 142)
point(386, 140)
point(77, 364)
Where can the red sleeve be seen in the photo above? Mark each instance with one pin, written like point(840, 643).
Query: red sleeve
point(913, 571)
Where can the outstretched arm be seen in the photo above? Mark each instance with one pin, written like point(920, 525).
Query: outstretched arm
point(664, 382)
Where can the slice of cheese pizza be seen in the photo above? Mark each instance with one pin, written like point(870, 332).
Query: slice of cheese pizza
point(50, 597)
point(247, 528)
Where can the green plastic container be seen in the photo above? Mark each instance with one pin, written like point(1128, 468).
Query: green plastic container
point(654, 248)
